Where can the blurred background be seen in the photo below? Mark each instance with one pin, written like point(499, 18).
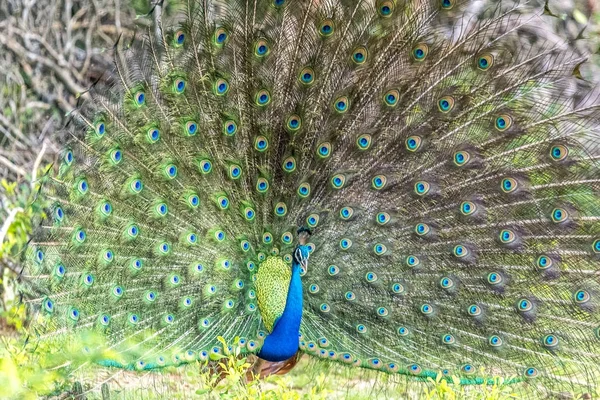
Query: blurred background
point(50, 52)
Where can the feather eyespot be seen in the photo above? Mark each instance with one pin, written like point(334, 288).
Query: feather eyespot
point(422, 229)
point(446, 104)
point(550, 341)
point(280, 209)
point(341, 104)
point(507, 236)
point(230, 127)
point(359, 55)
point(379, 249)
point(422, 188)
point(235, 171)
point(582, 297)
point(338, 181)
point(153, 134)
point(261, 48)
point(191, 128)
point(327, 28)
point(346, 213)
point(307, 76)
point(223, 202)
point(413, 261)
point(170, 171)
point(100, 128)
point(468, 208)
point(140, 98)
point(105, 208)
point(68, 157)
point(559, 152)
point(179, 38)
point(426, 309)
point(289, 164)
point(261, 143)
point(304, 190)
point(324, 150)
point(205, 166)
point(382, 218)
point(221, 87)
point(364, 141)
point(221, 36)
point(391, 97)
point(413, 143)
point(485, 62)
point(448, 339)
point(345, 244)
point(385, 8)
point(420, 52)
point(461, 158)
point(312, 220)
point(262, 185)
point(179, 86)
point(559, 215)
point(378, 182)
point(531, 372)
point(509, 185)
point(503, 122)
point(262, 98)
point(293, 123)
point(460, 251)
point(446, 283)
point(193, 200)
point(447, 4)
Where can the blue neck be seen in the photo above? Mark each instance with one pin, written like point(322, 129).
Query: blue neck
point(282, 343)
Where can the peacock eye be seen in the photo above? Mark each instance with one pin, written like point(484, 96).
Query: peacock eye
point(140, 98)
point(341, 104)
point(327, 28)
point(221, 87)
point(485, 62)
point(413, 143)
point(179, 85)
point(324, 150)
point(364, 141)
point(420, 52)
point(220, 37)
point(280, 209)
point(447, 4)
point(312, 220)
point(390, 98)
point(191, 127)
point(461, 158)
point(261, 48)
point(385, 8)
point(338, 181)
point(503, 122)
point(179, 38)
point(446, 104)
point(359, 55)
point(261, 143)
point(262, 97)
point(307, 76)
point(293, 123)
point(559, 152)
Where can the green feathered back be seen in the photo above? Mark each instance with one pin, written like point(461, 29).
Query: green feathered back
point(451, 186)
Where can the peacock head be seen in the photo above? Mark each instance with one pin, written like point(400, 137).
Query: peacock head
point(302, 252)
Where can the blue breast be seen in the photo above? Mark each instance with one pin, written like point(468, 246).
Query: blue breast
point(282, 342)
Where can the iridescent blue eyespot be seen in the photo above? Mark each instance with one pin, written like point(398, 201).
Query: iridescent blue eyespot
point(495, 341)
point(582, 296)
point(261, 48)
point(314, 288)
point(191, 128)
point(427, 309)
point(360, 328)
point(446, 104)
point(379, 249)
point(485, 62)
point(178, 85)
point(307, 76)
point(398, 288)
point(390, 98)
point(221, 87)
point(550, 341)
point(382, 218)
point(179, 38)
point(341, 104)
point(378, 182)
point(304, 190)
point(503, 122)
point(559, 152)
point(468, 207)
point(524, 305)
point(350, 296)
point(559, 215)
point(324, 307)
point(262, 97)
point(413, 143)
point(507, 236)
point(448, 339)
point(531, 372)
point(385, 8)
point(422, 188)
point(346, 213)
point(364, 141)
point(403, 331)
point(153, 134)
point(447, 4)
point(100, 129)
point(345, 244)
point(422, 229)
point(420, 51)
point(289, 164)
point(359, 55)
point(371, 277)
point(324, 150)
point(221, 36)
point(446, 283)
point(494, 278)
point(327, 27)
point(338, 181)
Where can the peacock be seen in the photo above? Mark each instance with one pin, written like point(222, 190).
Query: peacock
point(398, 185)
